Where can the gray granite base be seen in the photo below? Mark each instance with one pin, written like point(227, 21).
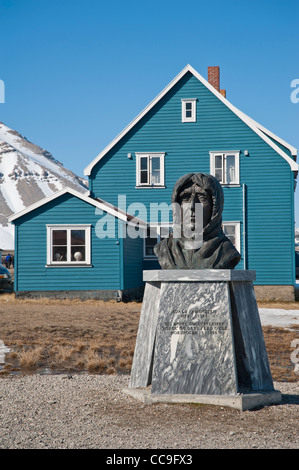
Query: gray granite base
point(200, 335)
point(194, 340)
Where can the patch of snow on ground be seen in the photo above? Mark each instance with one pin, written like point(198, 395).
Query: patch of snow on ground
point(279, 317)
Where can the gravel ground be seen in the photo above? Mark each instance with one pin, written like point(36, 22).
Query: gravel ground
point(92, 412)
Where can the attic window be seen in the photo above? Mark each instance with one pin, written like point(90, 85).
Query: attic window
point(189, 110)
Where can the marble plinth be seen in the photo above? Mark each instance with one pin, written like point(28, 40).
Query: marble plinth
point(194, 340)
point(143, 355)
point(195, 275)
point(200, 335)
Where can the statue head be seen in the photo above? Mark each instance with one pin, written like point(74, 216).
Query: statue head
point(200, 188)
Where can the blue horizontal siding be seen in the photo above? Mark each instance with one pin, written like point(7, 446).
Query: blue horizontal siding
point(32, 273)
point(269, 181)
point(133, 262)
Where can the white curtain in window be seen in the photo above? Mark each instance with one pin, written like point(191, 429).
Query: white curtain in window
point(155, 170)
point(230, 169)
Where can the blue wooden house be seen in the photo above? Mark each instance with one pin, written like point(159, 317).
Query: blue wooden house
point(70, 244)
point(189, 127)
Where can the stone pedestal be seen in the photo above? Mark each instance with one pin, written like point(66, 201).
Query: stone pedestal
point(200, 339)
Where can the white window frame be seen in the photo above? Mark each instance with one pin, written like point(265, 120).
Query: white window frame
point(237, 226)
point(68, 228)
point(224, 155)
point(150, 183)
point(158, 227)
point(192, 118)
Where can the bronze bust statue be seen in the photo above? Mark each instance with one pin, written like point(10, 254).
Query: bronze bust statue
point(216, 250)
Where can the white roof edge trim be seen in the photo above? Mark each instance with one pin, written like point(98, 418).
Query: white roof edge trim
point(250, 122)
point(37, 204)
point(290, 147)
point(85, 197)
point(257, 128)
point(89, 167)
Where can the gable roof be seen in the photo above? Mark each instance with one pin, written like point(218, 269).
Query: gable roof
point(98, 203)
point(257, 128)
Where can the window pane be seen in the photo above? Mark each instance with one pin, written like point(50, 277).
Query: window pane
point(144, 170)
point(149, 246)
point(151, 241)
point(155, 163)
point(218, 168)
point(218, 161)
point(218, 174)
point(143, 163)
point(230, 169)
point(78, 253)
point(59, 253)
point(188, 110)
point(143, 177)
point(77, 237)
point(59, 237)
point(230, 232)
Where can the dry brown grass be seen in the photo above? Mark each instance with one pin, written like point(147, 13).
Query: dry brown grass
point(278, 304)
point(30, 358)
point(68, 335)
point(278, 344)
point(97, 337)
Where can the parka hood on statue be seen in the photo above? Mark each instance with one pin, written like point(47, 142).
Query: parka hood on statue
point(216, 251)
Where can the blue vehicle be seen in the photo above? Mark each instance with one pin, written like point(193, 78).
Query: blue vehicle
point(5, 278)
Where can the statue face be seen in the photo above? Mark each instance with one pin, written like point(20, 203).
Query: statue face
point(190, 195)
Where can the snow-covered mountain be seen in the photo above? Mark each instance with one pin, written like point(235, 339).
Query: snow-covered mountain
point(28, 173)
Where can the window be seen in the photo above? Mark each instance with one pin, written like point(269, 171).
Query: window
point(150, 169)
point(225, 167)
point(232, 231)
point(155, 234)
point(68, 245)
point(189, 110)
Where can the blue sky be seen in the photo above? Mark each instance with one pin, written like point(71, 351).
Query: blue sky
point(76, 72)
